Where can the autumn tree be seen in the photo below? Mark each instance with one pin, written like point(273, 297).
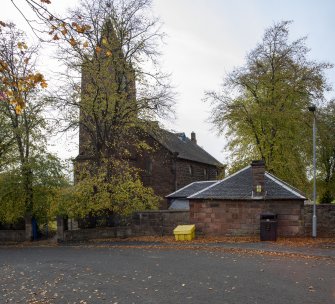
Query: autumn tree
point(47, 178)
point(39, 16)
point(23, 143)
point(262, 106)
point(122, 193)
point(115, 48)
point(326, 152)
point(114, 45)
point(7, 143)
point(112, 91)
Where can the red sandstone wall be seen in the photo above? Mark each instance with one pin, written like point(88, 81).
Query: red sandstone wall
point(157, 171)
point(242, 217)
point(197, 172)
point(161, 170)
point(169, 173)
point(325, 220)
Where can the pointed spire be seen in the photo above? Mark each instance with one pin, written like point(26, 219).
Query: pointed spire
point(109, 39)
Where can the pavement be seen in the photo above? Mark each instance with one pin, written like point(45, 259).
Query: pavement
point(321, 250)
point(143, 273)
point(139, 271)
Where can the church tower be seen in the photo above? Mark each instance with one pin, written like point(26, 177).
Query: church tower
point(108, 95)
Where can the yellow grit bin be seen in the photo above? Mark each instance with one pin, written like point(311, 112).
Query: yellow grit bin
point(184, 232)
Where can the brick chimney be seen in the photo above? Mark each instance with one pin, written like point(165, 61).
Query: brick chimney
point(193, 137)
point(258, 171)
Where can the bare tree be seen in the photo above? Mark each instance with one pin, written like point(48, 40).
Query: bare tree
point(42, 19)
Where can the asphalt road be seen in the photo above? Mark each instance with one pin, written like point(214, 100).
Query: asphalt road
point(134, 275)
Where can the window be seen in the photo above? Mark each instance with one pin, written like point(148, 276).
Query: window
point(190, 169)
point(148, 166)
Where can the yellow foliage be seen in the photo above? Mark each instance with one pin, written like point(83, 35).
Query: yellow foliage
point(22, 45)
point(3, 65)
point(18, 109)
point(142, 145)
point(80, 29)
point(9, 93)
point(72, 41)
point(15, 83)
point(122, 193)
point(38, 77)
point(87, 27)
point(44, 84)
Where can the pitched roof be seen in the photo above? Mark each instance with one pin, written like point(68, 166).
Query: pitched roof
point(239, 186)
point(180, 204)
point(190, 189)
point(185, 148)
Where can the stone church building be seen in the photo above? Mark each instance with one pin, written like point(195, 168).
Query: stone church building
point(174, 161)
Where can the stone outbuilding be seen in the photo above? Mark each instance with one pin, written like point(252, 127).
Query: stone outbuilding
point(232, 206)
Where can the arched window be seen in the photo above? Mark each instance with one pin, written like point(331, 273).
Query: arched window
point(190, 169)
point(148, 166)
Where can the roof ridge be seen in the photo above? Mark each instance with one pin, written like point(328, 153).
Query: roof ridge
point(285, 185)
point(200, 156)
point(188, 185)
point(220, 181)
point(192, 142)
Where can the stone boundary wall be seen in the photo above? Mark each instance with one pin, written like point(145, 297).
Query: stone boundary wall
point(12, 235)
point(81, 235)
point(18, 235)
point(325, 214)
point(160, 222)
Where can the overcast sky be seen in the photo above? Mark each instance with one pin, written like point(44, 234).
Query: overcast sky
point(208, 38)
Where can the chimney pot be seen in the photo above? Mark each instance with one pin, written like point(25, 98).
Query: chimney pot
point(193, 137)
point(258, 171)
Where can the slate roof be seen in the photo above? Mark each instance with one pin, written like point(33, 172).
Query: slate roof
point(180, 204)
point(186, 149)
point(190, 189)
point(239, 186)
